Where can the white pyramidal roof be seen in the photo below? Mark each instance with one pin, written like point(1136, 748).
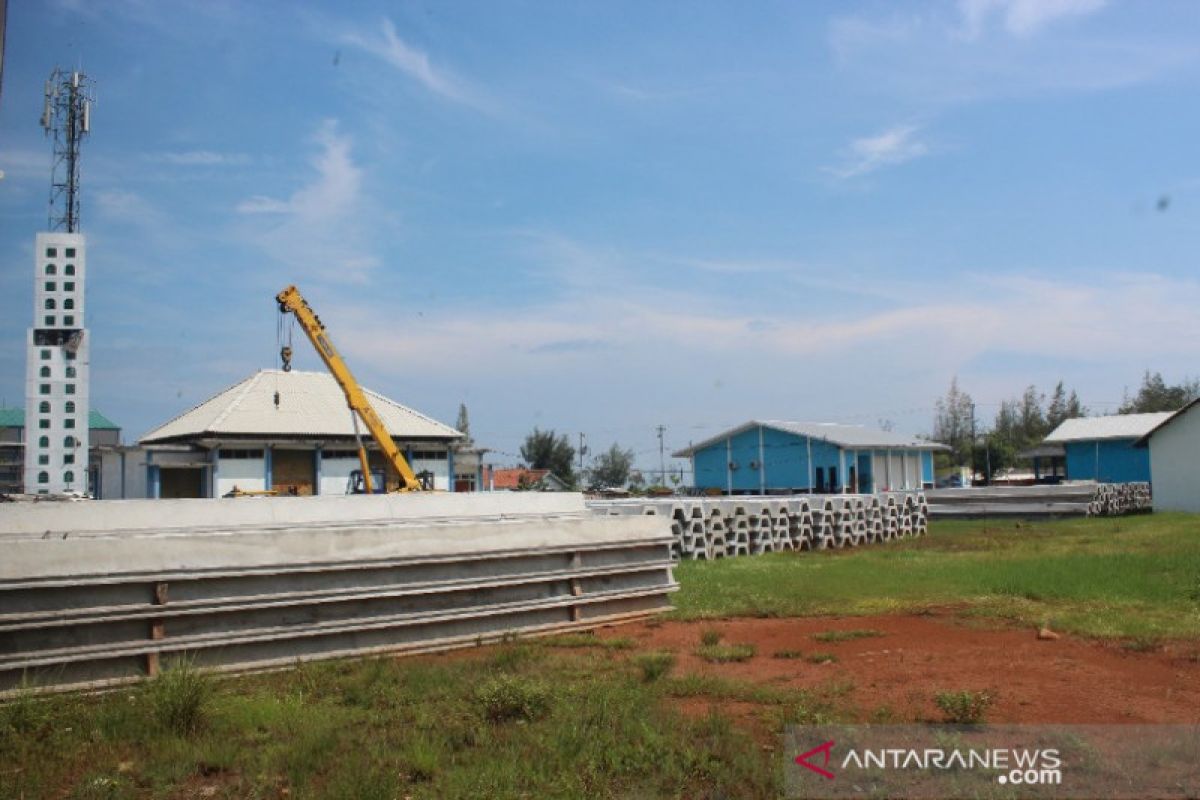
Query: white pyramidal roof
point(1116, 426)
point(845, 436)
point(310, 404)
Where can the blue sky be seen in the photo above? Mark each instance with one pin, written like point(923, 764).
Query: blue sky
point(604, 216)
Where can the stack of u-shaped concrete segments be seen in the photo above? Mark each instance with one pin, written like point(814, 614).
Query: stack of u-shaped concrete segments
point(720, 527)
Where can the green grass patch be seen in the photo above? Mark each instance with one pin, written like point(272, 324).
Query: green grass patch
point(514, 722)
point(588, 639)
point(1129, 577)
point(821, 658)
point(180, 696)
point(846, 636)
point(725, 653)
point(513, 697)
point(787, 654)
point(654, 665)
point(964, 707)
point(693, 684)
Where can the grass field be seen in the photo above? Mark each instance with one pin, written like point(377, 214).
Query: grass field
point(531, 720)
point(580, 716)
point(1135, 577)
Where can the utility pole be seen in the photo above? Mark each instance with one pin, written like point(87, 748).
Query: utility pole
point(972, 442)
point(662, 461)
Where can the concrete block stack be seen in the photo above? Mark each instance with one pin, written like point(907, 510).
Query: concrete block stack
point(721, 527)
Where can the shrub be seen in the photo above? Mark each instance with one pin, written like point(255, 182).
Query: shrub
point(180, 697)
point(710, 637)
point(513, 697)
point(654, 665)
point(964, 707)
point(25, 712)
point(725, 653)
point(821, 658)
point(421, 760)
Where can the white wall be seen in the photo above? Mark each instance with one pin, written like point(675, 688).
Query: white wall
point(134, 486)
point(912, 467)
point(439, 468)
point(335, 474)
point(895, 470)
point(247, 474)
point(1175, 464)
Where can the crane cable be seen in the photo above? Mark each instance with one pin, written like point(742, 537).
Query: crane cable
point(285, 347)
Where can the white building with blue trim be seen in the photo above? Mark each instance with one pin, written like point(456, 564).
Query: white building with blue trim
point(776, 456)
point(286, 432)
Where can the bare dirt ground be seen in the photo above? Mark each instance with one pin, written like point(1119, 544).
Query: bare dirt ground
point(894, 677)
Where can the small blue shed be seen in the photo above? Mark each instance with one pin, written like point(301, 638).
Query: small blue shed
point(775, 456)
point(1101, 448)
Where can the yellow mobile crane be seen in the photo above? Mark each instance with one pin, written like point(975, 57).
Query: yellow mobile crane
point(291, 301)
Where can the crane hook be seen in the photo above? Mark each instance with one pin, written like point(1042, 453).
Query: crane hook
point(285, 354)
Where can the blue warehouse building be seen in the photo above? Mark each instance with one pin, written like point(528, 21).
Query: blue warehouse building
point(1102, 448)
point(774, 456)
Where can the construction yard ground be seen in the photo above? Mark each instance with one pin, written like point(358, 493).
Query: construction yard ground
point(945, 627)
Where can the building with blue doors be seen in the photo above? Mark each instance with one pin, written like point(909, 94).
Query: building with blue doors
point(282, 432)
point(779, 457)
point(1102, 448)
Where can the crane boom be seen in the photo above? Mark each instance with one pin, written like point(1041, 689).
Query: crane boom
point(290, 300)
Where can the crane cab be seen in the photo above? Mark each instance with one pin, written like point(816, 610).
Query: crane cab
point(378, 482)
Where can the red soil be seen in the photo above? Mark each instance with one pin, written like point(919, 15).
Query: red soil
point(1068, 680)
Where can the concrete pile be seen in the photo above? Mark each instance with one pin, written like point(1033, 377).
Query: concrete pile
point(1083, 499)
point(709, 528)
point(1115, 499)
point(101, 593)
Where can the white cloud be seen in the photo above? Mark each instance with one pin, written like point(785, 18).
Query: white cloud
point(21, 164)
point(319, 229)
point(385, 44)
point(1109, 317)
point(123, 205)
point(258, 204)
point(333, 192)
point(934, 58)
point(1023, 17)
point(204, 158)
point(626, 355)
point(894, 146)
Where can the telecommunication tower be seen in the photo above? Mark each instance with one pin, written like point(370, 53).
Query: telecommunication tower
point(67, 116)
point(57, 393)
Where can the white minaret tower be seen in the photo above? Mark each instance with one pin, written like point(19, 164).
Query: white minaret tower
point(56, 372)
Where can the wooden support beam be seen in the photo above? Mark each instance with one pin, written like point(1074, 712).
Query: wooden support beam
point(158, 628)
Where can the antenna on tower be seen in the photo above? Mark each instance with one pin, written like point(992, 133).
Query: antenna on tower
point(67, 115)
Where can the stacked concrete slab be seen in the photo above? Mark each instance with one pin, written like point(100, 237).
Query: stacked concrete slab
point(709, 528)
point(1030, 502)
point(93, 594)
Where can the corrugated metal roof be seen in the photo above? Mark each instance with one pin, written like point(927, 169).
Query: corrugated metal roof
point(15, 418)
point(1145, 440)
point(1043, 451)
point(310, 404)
point(1115, 426)
point(847, 436)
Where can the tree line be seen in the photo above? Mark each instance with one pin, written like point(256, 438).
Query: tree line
point(1022, 422)
point(553, 451)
